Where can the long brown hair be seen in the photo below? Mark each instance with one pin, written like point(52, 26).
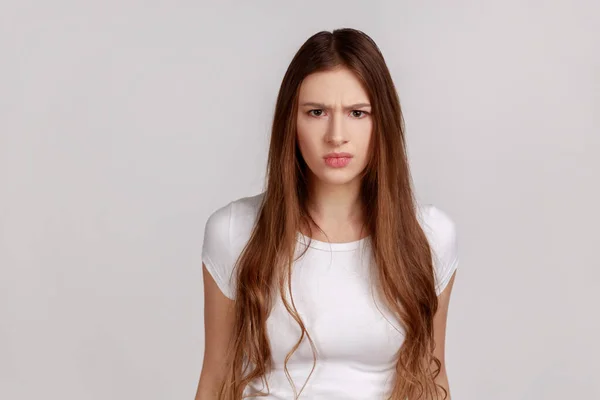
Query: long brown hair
point(401, 253)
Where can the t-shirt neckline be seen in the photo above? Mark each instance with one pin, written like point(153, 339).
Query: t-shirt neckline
point(320, 245)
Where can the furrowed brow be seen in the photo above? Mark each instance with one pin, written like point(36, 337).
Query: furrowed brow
point(327, 107)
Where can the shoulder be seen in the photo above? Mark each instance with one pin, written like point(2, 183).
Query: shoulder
point(436, 222)
point(441, 231)
point(230, 218)
point(226, 232)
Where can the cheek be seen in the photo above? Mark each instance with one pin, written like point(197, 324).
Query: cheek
point(362, 137)
point(308, 139)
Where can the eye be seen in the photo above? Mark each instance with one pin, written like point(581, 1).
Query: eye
point(359, 113)
point(316, 113)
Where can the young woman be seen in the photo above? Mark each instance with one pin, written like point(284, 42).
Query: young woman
point(334, 282)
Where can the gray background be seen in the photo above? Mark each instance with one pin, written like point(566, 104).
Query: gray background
point(124, 124)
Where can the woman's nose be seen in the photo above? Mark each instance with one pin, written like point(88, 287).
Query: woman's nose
point(335, 132)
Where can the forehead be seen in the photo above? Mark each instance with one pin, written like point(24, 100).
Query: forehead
point(339, 84)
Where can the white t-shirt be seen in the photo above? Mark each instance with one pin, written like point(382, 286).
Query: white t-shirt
point(355, 335)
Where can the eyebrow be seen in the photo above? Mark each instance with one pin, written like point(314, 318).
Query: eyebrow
point(327, 107)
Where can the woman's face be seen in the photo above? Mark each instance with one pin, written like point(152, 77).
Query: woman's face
point(334, 116)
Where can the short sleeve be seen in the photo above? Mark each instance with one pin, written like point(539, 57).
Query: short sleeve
point(442, 234)
point(216, 249)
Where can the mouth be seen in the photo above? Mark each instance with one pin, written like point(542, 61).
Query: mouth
point(337, 160)
point(338, 155)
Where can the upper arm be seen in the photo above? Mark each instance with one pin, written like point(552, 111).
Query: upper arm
point(439, 321)
point(219, 292)
point(218, 327)
point(442, 234)
point(439, 335)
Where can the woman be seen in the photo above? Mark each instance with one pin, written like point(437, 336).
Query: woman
point(334, 282)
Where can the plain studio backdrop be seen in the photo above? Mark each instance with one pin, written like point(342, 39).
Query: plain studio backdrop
point(124, 124)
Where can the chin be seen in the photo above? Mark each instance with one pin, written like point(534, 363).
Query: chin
point(337, 177)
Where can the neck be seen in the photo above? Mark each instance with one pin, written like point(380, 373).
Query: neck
point(333, 205)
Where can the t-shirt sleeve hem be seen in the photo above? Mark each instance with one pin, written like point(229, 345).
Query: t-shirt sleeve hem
point(447, 276)
point(219, 280)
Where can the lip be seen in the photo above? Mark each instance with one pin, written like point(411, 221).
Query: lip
point(338, 155)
